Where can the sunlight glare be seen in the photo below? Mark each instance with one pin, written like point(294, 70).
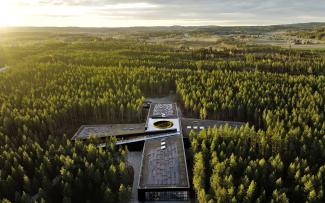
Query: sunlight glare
point(7, 10)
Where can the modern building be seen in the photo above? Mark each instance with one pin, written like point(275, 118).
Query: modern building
point(163, 173)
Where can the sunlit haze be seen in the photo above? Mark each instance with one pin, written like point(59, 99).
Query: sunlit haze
point(122, 13)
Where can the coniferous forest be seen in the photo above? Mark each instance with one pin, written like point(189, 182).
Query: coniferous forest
point(57, 81)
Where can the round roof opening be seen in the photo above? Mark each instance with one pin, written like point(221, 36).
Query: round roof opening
point(163, 124)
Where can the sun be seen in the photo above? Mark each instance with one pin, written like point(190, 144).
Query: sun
point(7, 13)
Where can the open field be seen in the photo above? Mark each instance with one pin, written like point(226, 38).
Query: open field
point(286, 43)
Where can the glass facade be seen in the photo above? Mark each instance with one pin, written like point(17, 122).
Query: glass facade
point(167, 196)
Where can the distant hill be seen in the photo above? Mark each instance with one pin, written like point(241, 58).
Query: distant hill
point(313, 33)
point(221, 30)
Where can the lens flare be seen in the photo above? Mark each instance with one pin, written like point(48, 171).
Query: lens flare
point(7, 13)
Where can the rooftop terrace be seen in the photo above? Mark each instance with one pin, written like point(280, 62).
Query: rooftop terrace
point(197, 125)
point(86, 131)
point(164, 164)
point(165, 110)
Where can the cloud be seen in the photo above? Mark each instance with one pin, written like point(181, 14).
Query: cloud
point(229, 12)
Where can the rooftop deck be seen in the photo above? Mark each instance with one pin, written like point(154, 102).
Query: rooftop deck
point(164, 167)
point(163, 110)
point(197, 125)
point(86, 131)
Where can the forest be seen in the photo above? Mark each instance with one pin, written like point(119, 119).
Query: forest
point(57, 81)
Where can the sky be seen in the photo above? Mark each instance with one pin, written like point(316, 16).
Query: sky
point(125, 13)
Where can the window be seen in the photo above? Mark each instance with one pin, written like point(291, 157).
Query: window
point(167, 196)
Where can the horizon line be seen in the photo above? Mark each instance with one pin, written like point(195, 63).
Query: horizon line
point(162, 26)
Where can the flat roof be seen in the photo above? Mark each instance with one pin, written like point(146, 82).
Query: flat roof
point(164, 164)
point(163, 110)
point(98, 131)
point(197, 125)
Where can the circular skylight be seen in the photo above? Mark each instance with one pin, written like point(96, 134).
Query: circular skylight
point(163, 124)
